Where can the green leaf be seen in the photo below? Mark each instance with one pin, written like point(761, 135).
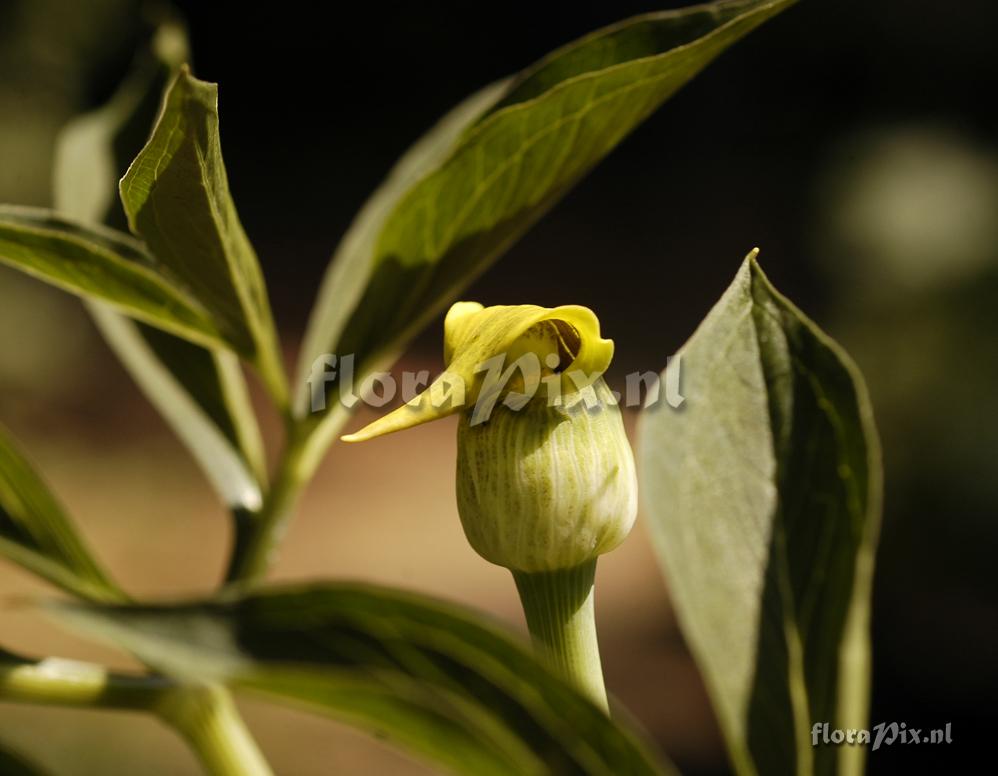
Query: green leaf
point(176, 196)
point(200, 392)
point(202, 395)
point(100, 263)
point(428, 676)
point(94, 149)
point(763, 491)
point(480, 179)
point(37, 535)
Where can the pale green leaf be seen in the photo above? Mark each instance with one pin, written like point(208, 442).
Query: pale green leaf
point(176, 197)
point(477, 182)
point(202, 395)
point(428, 676)
point(36, 534)
point(200, 392)
point(763, 494)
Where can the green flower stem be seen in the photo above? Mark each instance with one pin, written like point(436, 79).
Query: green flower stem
point(562, 622)
point(208, 719)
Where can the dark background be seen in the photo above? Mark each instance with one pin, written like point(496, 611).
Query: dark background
point(887, 107)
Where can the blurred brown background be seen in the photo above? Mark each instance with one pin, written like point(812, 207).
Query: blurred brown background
point(854, 142)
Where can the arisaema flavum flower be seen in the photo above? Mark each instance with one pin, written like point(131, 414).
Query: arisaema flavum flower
point(545, 475)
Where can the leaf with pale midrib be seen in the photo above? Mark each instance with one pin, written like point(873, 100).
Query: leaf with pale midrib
point(429, 676)
point(763, 494)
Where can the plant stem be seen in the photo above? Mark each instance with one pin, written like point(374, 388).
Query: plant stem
point(559, 607)
point(259, 534)
point(63, 682)
point(204, 715)
point(270, 368)
point(208, 719)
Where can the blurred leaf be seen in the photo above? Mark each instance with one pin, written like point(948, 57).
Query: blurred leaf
point(200, 392)
point(37, 535)
point(100, 263)
point(176, 196)
point(202, 395)
point(764, 492)
point(429, 676)
point(483, 176)
point(94, 149)
point(13, 763)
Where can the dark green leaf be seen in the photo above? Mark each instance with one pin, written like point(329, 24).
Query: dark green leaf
point(36, 534)
point(100, 263)
point(478, 181)
point(176, 196)
point(200, 392)
point(763, 490)
point(429, 676)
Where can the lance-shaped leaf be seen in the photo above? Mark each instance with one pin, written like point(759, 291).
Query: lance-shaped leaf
point(36, 534)
point(483, 176)
point(200, 392)
point(176, 196)
point(99, 263)
point(428, 676)
point(763, 493)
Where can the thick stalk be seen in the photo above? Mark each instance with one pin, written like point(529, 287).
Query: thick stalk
point(204, 715)
point(208, 719)
point(559, 607)
point(56, 681)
